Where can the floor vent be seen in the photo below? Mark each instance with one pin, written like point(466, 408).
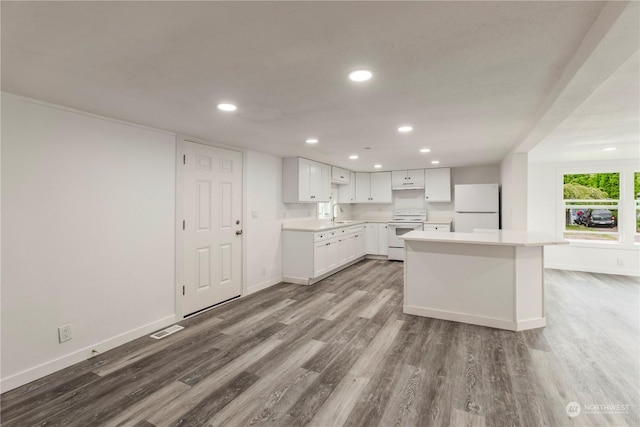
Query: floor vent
point(170, 330)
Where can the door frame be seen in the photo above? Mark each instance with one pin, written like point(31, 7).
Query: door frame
point(179, 241)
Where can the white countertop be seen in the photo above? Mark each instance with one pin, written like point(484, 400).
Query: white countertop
point(316, 225)
point(499, 238)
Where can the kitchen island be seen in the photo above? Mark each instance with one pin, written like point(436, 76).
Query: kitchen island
point(493, 278)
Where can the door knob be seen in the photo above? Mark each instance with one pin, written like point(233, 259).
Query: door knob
point(238, 232)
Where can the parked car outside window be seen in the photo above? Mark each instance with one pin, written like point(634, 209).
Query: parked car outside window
point(596, 218)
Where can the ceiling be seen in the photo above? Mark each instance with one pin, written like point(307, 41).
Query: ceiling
point(474, 79)
point(608, 118)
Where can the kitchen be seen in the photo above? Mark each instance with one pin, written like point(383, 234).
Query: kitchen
point(397, 208)
point(91, 161)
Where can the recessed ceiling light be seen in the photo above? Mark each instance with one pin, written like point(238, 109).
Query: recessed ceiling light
point(609, 149)
point(227, 107)
point(425, 150)
point(312, 141)
point(353, 156)
point(405, 129)
point(360, 75)
point(377, 166)
point(435, 162)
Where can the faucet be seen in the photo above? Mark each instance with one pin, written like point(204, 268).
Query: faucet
point(333, 212)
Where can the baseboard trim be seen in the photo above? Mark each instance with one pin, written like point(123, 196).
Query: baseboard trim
point(523, 325)
point(591, 269)
point(383, 257)
point(295, 280)
point(264, 285)
point(460, 317)
point(47, 368)
point(311, 281)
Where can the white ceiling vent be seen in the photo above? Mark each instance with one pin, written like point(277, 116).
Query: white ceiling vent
point(166, 332)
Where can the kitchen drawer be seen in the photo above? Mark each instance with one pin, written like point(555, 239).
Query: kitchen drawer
point(444, 228)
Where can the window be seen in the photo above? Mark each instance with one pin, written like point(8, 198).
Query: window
point(591, 206)
point(324, 210)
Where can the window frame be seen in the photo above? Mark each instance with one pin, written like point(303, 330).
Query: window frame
point(321, 211)
point(626, 205)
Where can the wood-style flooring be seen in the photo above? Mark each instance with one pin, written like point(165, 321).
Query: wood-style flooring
point(341, 352)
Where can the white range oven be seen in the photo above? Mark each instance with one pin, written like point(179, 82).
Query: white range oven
point(404, 221)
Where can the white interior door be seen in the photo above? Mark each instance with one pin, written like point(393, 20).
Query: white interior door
point(212, 235)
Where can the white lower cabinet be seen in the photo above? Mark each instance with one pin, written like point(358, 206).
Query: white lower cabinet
point(383, 239)
point(308, 255)
point(372, 238)
point(343, 250)
point(320, 258)
point(360, 244)
point(377, 239)
point(325, 257)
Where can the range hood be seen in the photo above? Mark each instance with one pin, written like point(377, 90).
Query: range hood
point(408, 186)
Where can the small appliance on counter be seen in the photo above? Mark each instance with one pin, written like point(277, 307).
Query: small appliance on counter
point(404, 221)
point(477, 206)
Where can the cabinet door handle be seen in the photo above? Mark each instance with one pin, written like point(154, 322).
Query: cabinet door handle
point(238, 232)
point(327, 244)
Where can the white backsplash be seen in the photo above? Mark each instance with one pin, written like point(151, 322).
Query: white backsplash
point(408, 199)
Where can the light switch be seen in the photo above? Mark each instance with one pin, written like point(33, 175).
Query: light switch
point(254, 214)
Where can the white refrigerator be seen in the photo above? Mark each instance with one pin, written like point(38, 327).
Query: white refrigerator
point(477, 206)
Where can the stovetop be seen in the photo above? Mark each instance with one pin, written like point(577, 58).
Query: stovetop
point(409, 215)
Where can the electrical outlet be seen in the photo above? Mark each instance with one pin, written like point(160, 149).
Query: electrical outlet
point(620, 262)
point(64, 332)
point(264, 270)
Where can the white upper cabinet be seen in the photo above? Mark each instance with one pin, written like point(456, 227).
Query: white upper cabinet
point(408, 179)
point(373, 187)
point(339, 175)
point(347, 192)
point(363, 187)
point(437, 185)
point(381, 187)
point(305, 181)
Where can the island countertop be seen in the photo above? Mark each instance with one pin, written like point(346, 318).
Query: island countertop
point(497, 237)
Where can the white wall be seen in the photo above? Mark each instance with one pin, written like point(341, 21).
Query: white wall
point(513, 195)
point(545, 215)
point(88, 220)
point(265, 213)
point(87, 235)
